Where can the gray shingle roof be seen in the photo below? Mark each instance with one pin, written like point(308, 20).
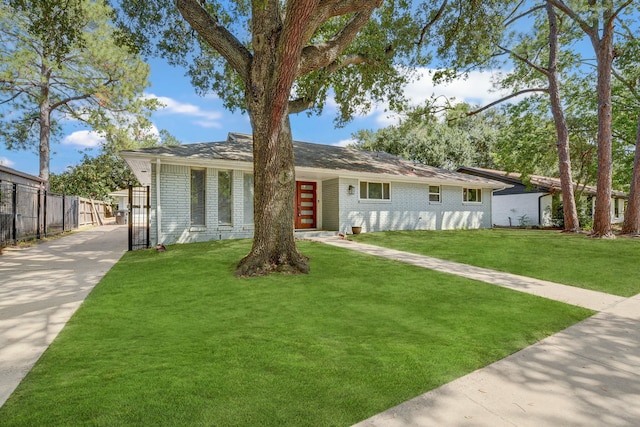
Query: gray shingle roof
point(238, 147)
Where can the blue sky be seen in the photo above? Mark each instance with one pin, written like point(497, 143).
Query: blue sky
point(192, 118)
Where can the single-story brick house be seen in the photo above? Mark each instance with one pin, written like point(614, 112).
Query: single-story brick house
point(205, 191)
point(532, 204)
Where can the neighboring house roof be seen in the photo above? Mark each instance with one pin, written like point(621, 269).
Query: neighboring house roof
point(327, 160)
point(537, 182)
point(120, 193)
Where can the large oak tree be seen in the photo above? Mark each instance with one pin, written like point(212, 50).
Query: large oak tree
point(273, 58)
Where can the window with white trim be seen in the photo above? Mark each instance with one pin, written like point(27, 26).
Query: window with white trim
point(198, 205)
point(434, 194)
point(375, 190)
point(224, 198)
point(472, 195)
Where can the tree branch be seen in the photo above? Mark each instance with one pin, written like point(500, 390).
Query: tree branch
point(525, 60)
point(513, 95)
point(321, 55)
point(217, 36)
point(433, 20)
point(629, 85)
point(69, 100)
point(349, 60)
point(619, 10)
point(304, 103)
point(330, 8)
point(522, 15)
point(591, 31)
point(562, 6)
point(16, 95)
point(301, 104)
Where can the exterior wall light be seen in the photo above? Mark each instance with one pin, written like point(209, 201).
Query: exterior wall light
point(351, 189)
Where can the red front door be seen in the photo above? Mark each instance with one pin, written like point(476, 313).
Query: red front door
point(305, 212)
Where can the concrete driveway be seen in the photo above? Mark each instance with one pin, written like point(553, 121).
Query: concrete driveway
point(41, 287)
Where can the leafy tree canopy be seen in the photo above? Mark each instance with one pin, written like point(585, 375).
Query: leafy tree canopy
point(60, 64)
point(449, 141)
point(95, 177)
point(381, 58)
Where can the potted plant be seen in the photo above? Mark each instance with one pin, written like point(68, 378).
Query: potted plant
point(356, 229)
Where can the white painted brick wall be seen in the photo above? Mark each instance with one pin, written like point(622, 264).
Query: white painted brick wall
point(410, 209)
point(175, 201)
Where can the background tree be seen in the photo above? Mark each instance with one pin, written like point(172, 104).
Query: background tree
point(273, 58)
point(533, 49)
point(627, 97)
point(60, 62)
point(95, 177)
point(448, 142)
point(597, 20)
point(572, 80)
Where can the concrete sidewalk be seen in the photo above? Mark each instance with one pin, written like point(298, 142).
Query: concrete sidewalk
point(586, 375)
point(41, 287)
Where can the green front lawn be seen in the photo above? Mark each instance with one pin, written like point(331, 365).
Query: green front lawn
point(173, 339)
point(606, 265)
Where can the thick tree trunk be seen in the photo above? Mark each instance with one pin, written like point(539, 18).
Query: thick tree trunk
point(604, 54)
point(277, 50)
point(274, 247)
point(571, 223)
point(631, 224)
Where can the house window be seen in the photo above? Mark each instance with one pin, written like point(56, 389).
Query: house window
point(434, 193)
point(224, 198)
point(472, 195)
point(197, 197)
point(248, 198)
point(374, 190)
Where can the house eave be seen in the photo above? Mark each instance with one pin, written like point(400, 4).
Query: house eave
point(140, 164)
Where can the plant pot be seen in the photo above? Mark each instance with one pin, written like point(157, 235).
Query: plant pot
point(356, 230)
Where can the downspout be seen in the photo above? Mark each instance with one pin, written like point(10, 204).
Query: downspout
point(491, 209)
point(158, 204)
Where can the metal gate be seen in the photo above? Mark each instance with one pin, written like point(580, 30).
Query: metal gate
point(139, 221)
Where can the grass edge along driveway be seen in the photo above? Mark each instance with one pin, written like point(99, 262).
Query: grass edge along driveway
point(605, 265)
point(173, 339)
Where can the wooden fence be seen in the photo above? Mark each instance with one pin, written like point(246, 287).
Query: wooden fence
point(28, 213)
point(94, 212)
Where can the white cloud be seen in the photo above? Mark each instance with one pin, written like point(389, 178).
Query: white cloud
point(344, 142)
point(84, 138)
point(171, 106)
point(208, 124)
point(6, 162)
point(476, 89)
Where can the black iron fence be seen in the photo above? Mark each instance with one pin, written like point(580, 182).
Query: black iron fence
point(28, 213)
point(139, 218)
